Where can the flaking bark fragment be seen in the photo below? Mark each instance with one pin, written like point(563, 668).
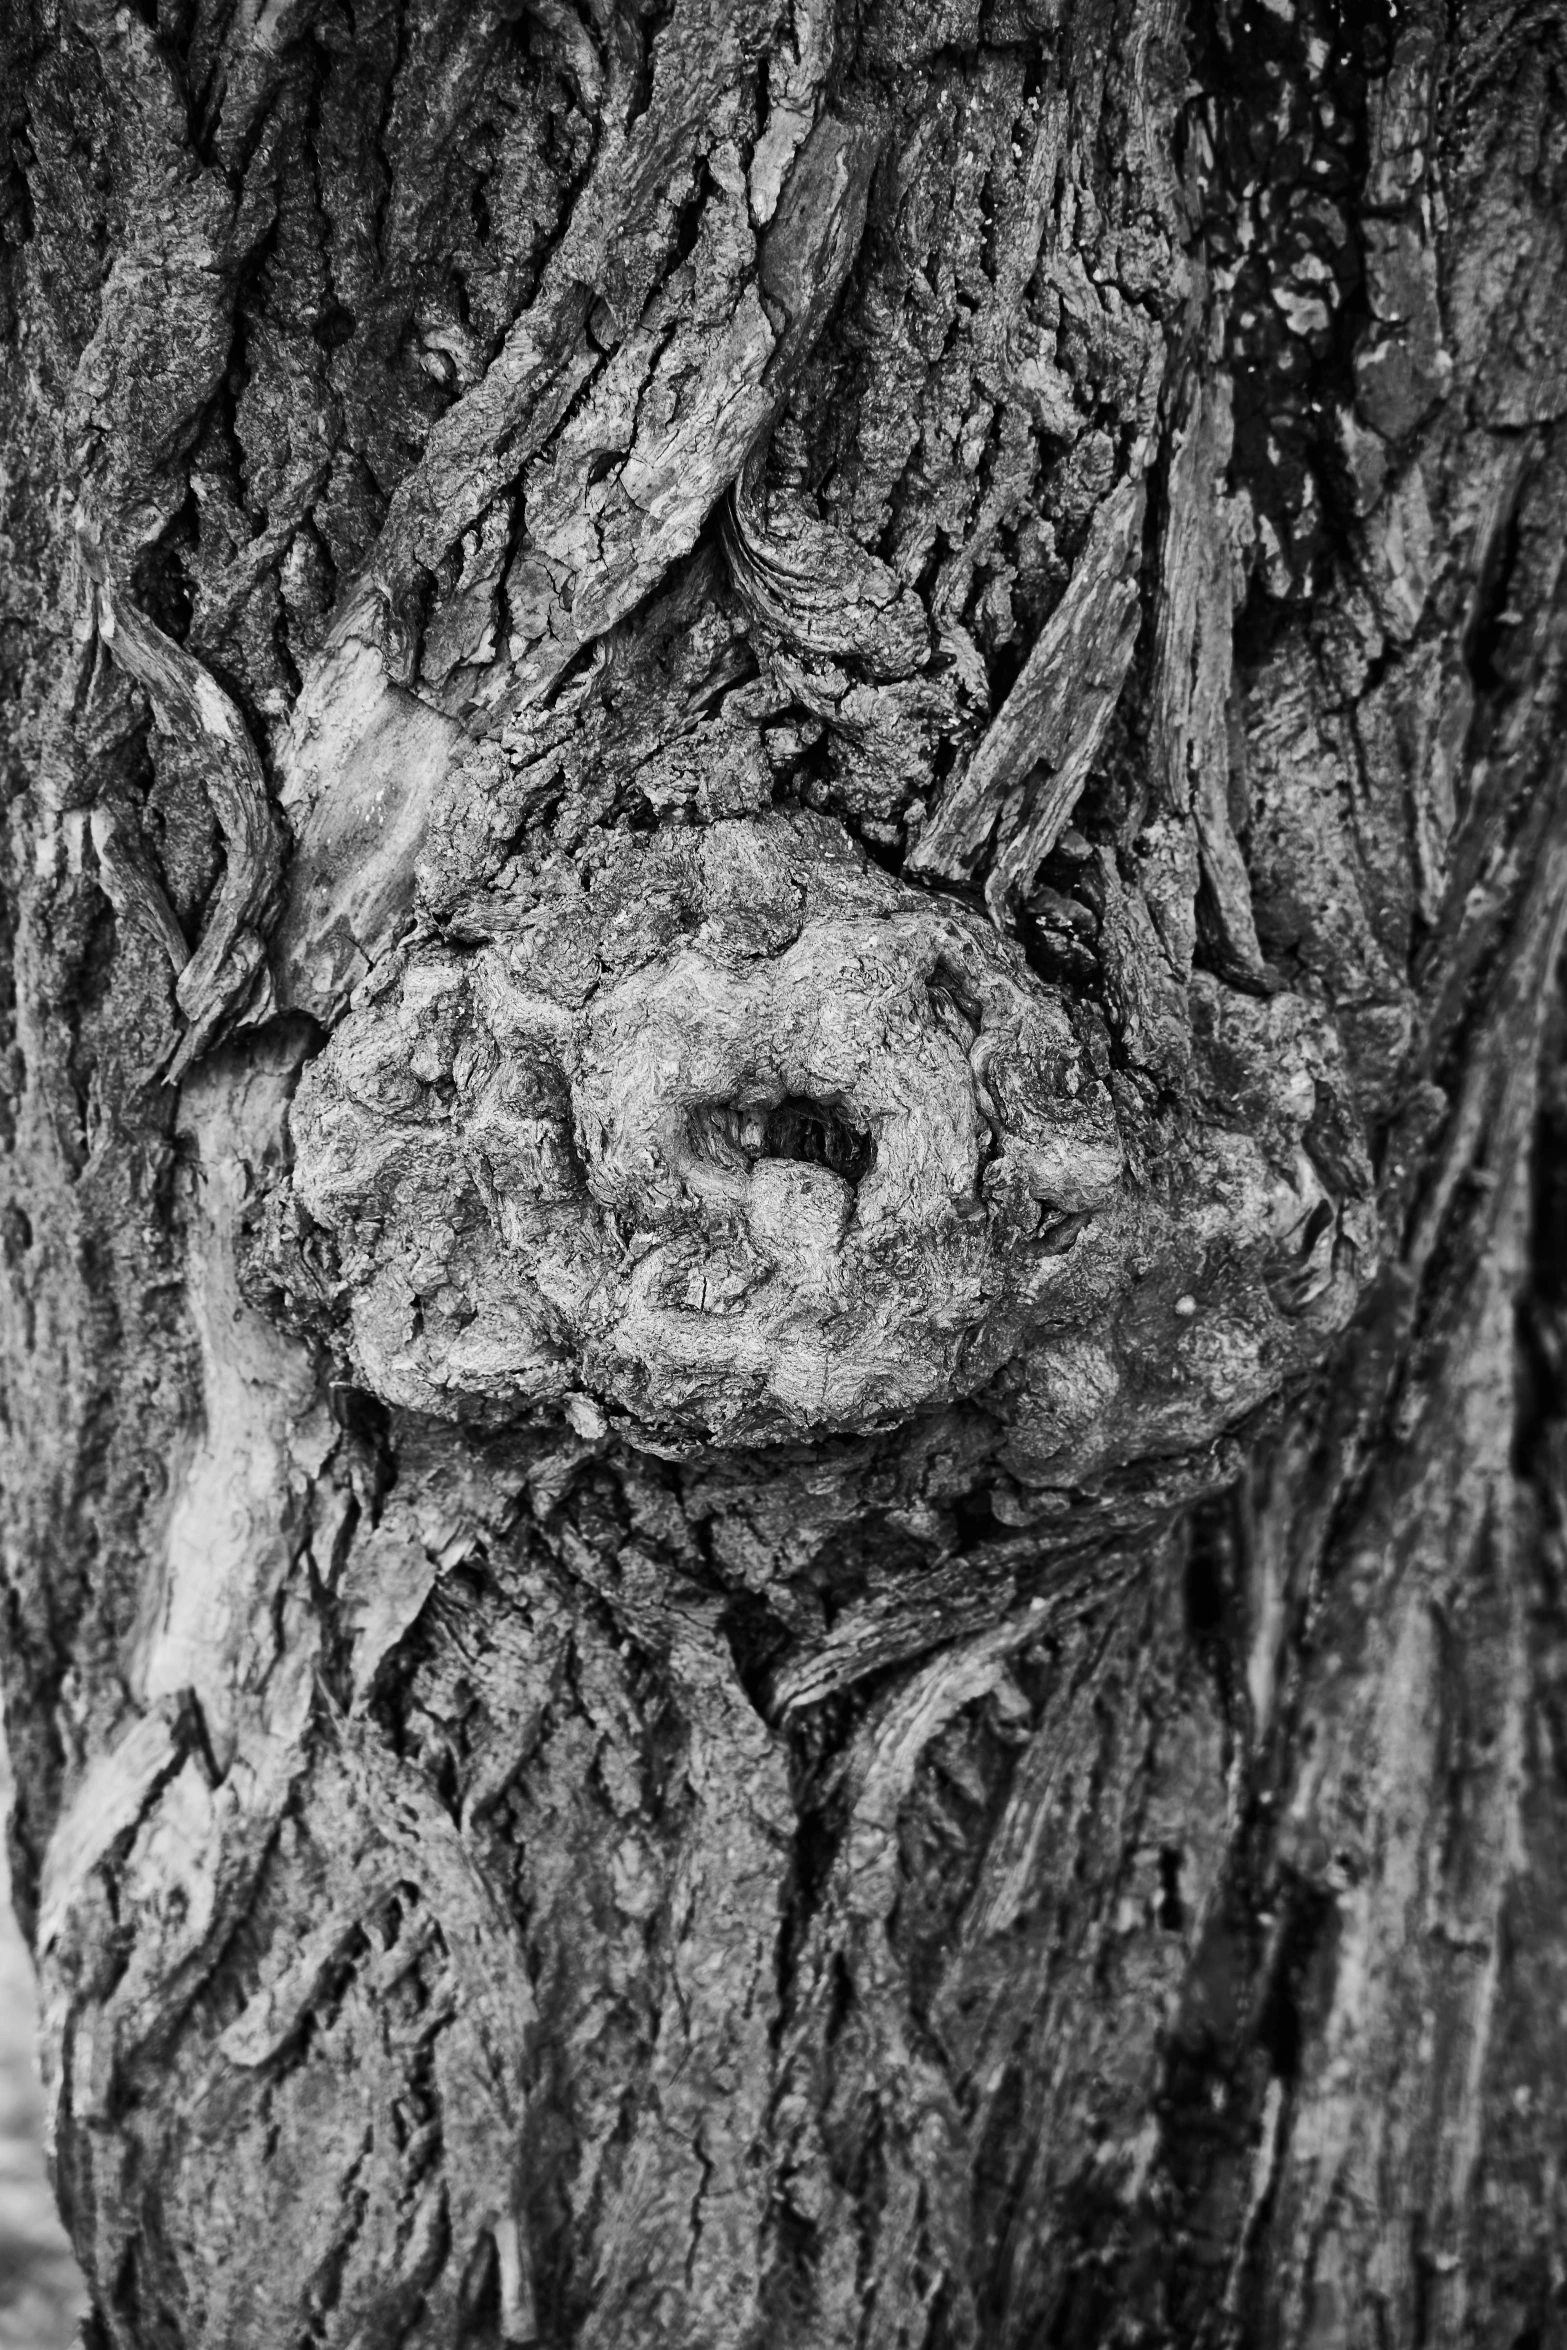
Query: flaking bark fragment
point(1010, 805)
point(224, 978)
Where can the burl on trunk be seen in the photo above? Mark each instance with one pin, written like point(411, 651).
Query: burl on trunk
point(783, 1465)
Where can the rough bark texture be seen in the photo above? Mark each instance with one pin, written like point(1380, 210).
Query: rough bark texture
point(41, 2297)
point(784, 1465)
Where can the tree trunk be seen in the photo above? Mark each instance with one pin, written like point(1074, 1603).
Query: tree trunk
point(784, 1465)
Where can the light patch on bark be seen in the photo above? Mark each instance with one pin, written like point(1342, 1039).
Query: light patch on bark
point(266, 1432)
point(362, 764)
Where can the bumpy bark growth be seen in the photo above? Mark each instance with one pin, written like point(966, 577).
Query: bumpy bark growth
point(787, 844)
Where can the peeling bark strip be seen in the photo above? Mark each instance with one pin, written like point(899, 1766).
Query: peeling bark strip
point(1015, 798)
point(783, 1459)
point(225, 976)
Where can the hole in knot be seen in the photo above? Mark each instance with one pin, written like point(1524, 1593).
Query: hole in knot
point(822, 1137)
point(815, 1133)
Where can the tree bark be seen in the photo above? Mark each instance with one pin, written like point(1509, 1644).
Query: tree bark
point(784, 1460)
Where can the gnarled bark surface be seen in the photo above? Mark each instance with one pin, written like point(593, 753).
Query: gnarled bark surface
point(783, 1459)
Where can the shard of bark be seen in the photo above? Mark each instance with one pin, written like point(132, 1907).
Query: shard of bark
point(1011, 804)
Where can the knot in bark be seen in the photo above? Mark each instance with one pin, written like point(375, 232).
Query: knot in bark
point(730, 1130)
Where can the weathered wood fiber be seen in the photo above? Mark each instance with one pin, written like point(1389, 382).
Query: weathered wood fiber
point(783, 1465)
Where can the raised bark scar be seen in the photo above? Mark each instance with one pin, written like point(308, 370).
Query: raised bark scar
point(734, 1132)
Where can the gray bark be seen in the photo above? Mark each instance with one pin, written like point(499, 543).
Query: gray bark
point(783, 1457)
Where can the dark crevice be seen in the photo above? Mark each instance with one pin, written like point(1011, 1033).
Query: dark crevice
point(1299, 1977)
point(1487, 634)
point(1288, 113)
point(653, 24)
